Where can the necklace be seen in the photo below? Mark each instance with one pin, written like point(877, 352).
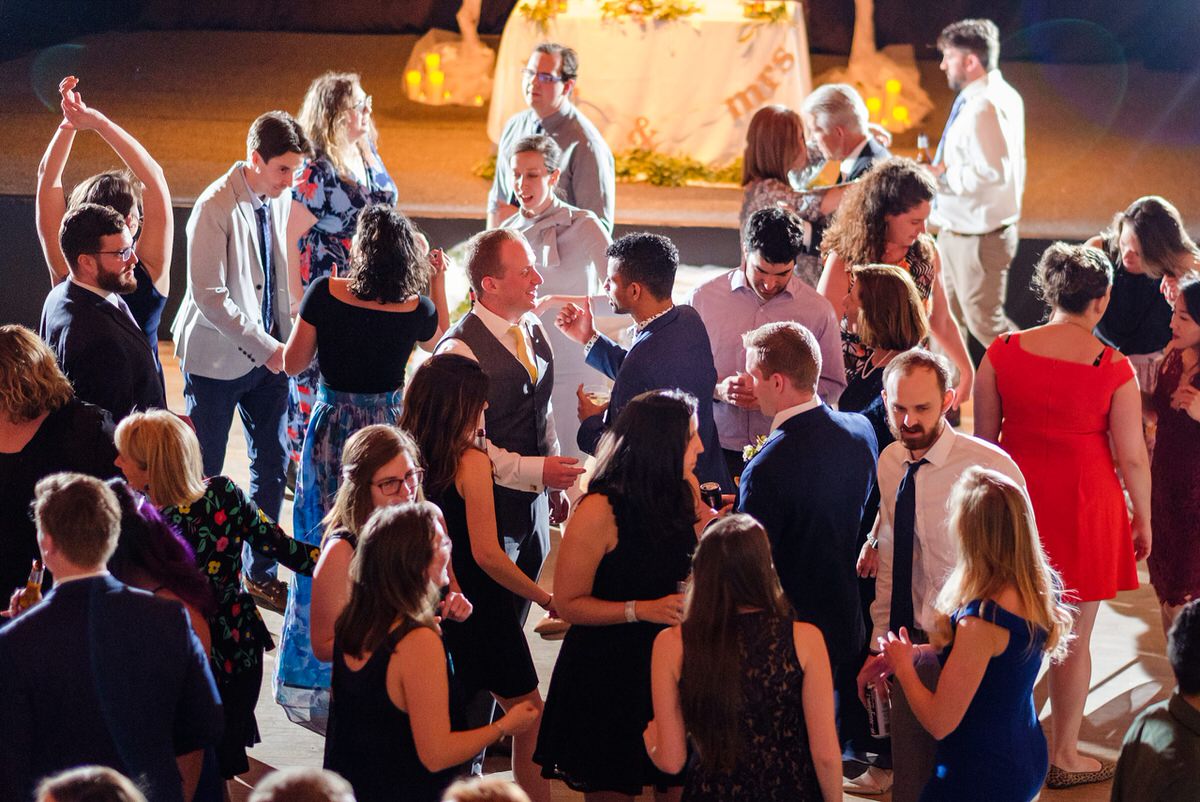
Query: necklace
point(1069, 322)
point(868, 366)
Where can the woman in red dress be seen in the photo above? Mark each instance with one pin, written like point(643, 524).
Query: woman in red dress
point(1051, 396)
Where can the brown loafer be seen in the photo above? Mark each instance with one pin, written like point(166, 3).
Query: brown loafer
point(271, 594)
point(1061, 778)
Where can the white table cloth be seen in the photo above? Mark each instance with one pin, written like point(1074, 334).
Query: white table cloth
point(684, 87)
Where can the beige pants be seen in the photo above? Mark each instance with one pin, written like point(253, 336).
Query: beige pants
point(975, 272)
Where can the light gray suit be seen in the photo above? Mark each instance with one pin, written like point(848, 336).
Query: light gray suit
point(223, 344)
point(219, 331)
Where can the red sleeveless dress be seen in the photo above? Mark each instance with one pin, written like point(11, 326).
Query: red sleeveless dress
point(1055, 427)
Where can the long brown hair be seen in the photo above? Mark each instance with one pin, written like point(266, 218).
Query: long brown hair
point(389, 577)
point(441, 408)
point(1166, 246)
point(731, 569)
point(859, 229)
point(891, 314)
point(367, 450)
point(774, 144)
point(998, 547)
point(323, 116)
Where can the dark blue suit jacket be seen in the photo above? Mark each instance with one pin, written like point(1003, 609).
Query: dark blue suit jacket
point(102, 674)
point(807, 487)
point(102, 351)
point(672, 352)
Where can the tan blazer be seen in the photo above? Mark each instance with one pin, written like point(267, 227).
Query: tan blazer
point(219, 331)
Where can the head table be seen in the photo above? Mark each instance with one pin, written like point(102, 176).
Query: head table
point(684, 87)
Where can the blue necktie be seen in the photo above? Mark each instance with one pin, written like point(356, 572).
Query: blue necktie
point(903, 534)
point(264, 251)
point(954, 110)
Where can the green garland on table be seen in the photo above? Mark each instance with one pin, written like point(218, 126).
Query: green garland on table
point(641, 166)
point(642, 10)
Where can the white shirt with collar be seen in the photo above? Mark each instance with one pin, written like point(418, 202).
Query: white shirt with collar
point(509, 469)
point(984, 154)
point(851, 157)
point(934, 551)
point(784, 415)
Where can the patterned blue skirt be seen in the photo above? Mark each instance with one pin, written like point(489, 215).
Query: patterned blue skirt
point(301, 681)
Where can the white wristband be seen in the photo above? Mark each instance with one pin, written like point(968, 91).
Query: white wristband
point(631, 612)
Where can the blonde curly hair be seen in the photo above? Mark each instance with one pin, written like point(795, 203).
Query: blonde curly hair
point(31, 383)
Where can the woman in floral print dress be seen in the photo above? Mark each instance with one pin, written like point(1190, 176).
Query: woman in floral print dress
point(344, 177)
point(160, 456)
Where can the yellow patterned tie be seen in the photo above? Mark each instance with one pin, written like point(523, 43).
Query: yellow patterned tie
point(523, 351)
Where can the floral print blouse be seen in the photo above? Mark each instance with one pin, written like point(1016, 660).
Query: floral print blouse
point(335, 202)
point(215, 526)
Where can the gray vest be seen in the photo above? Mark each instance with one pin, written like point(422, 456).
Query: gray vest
point(516, 413)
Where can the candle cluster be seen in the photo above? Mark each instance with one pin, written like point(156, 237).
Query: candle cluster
point(888, 111)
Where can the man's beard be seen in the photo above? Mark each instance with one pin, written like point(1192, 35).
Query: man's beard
point(926, 438)
point(121, 283)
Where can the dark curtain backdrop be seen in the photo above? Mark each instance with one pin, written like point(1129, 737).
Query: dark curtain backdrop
point(1161, 33)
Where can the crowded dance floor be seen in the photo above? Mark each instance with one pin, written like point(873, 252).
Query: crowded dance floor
point(532, 400)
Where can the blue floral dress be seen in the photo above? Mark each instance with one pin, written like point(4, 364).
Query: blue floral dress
point(335, 202)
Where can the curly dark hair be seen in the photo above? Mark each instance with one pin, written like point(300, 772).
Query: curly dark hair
point(1069, 277)
point(386, 264)
point(859, 229)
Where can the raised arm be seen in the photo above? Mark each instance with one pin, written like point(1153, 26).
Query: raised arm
point(441, 262)
point(158, 225)
point(52, 199)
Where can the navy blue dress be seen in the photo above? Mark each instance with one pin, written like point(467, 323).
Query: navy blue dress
point(998, 752)
point(147, 305)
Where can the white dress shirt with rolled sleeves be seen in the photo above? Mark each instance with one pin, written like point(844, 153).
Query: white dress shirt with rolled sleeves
point(984, 154)
point(509, 469)
point(935, 552)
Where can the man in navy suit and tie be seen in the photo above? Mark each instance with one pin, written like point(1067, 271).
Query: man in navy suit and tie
point(808, 486)
point(99, 673)
point(99, 346)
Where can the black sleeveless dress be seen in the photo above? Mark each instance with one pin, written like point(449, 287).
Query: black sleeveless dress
point(774, 763)
point(489, 648)
point(370, 741)
point(599, 700)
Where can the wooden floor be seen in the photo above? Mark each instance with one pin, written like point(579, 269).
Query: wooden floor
point(1129, 672)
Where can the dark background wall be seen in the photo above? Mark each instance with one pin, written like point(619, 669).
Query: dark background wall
point(1161, 33)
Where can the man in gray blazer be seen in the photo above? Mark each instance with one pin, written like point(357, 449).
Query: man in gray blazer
point(235, 318)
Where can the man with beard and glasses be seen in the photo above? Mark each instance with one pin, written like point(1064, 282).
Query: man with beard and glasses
point(912, 550)
point(98, 344)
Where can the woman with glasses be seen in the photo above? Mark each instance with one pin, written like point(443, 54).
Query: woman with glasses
point(443, 410)
point(344, 177)
point(380, 469)
point(361, 329)
point(139, 194)
point(569, 249)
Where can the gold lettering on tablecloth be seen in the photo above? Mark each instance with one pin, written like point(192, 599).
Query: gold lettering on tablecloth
point(763, 87)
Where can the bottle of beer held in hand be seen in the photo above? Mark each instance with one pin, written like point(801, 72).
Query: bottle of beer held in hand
point(32, 594)
point(923, 156)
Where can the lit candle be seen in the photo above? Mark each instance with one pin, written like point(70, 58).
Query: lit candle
point(437, 80)
point(479, 100)
point(433, 61)
point(446, 95)
point(900, 114)
point(892, 87)
point(413, 79)
point(874, 104)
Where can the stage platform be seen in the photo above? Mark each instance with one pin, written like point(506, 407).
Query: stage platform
point(1098, 135)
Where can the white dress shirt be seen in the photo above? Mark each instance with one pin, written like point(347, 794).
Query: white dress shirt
point(984, 155)
point(935, 552)
point(510, 469)
point(784, 415)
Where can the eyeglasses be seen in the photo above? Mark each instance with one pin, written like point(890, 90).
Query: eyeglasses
point(364, 104)
point(542, 77)
point(124, 254)
point(410, 480)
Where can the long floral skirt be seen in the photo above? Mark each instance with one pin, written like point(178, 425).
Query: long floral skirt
point(301, 681)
